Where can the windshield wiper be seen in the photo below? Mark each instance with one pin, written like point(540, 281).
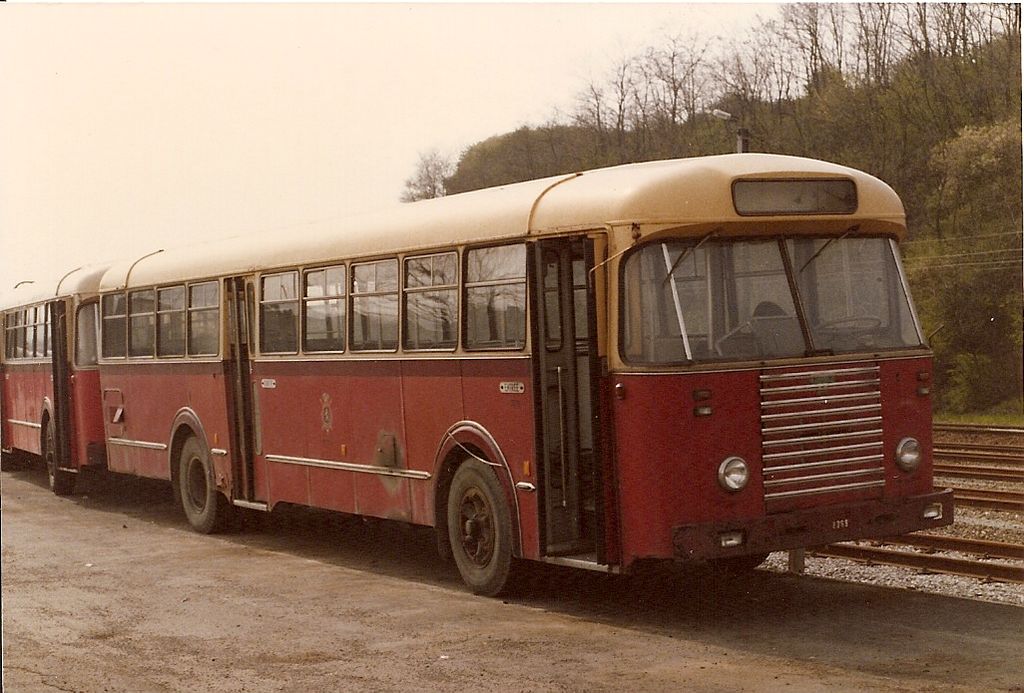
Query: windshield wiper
point(822, 249)
point(685, 254)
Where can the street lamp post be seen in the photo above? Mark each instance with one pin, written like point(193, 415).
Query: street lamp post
point(742, 133)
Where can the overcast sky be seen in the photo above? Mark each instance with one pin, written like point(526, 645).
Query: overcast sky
point(126, 128)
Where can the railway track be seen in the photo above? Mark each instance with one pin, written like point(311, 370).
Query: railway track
point(972, 558)
point(978, 473)
point(979, 461)
point(1005, 454)
point(930, 562)
point(1012, 501)
point(977, 428)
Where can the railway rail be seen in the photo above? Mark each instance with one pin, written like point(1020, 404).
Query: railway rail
point(1012, 501)
point(1008, 455)
point(889, 553)
point(987, 560)
point(979, 473)
point(977, 428)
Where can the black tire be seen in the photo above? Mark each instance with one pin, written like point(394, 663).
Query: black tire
point(740, 564)
point(62, 483)
point(205, 507)
point(480, 529)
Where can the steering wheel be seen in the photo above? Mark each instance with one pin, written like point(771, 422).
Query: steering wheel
point(742, 327)
point(867, 322)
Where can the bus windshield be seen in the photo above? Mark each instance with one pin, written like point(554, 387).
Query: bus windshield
point(735, 300)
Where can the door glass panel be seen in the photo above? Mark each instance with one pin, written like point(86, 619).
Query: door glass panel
point(85, 335)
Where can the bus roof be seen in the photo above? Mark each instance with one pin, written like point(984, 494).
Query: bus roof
point(673, 192)
point(81, 280)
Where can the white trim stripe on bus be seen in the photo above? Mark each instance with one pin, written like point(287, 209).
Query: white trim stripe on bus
point(17, 422)
point(813, 374)
point(348, 466)
point(828, 489)
point(145, 445)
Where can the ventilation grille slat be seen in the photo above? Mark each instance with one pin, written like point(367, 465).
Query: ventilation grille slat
point(821, 433)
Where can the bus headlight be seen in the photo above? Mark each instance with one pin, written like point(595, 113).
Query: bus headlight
point(733, 473)
point(908, 454)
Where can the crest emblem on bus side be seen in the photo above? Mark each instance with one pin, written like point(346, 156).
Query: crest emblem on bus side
point(326, 418)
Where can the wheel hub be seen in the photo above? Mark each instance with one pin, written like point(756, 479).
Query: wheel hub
point(477, 527)
point(196, 484)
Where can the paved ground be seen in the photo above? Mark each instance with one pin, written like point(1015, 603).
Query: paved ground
point(108, 591)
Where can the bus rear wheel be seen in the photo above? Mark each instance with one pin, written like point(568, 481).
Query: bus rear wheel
point(205, 507)
point(480, 529)
point(62, 483)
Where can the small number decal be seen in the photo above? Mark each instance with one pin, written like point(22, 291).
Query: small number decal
point(841, 524)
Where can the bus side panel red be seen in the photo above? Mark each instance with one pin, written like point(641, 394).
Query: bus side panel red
point(86, 414)
point(285, 423)
point(507, 413)
point(905, 413)
point(25, 387)
point(377, 433)
point(347, 412)
point(151, 396)
point(432, 400)
point(668, 455)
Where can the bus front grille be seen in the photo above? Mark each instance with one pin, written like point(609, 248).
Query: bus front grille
point(821, 433)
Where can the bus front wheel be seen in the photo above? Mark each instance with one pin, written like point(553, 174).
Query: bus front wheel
point(205, 507)
point(480, 529)
point(62, 483)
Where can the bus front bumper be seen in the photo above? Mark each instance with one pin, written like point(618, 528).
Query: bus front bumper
point(812, 527)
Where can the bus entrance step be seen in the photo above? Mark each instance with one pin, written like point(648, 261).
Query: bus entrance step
point(251, 505)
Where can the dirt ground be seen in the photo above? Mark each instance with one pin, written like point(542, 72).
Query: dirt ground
point(109, 591)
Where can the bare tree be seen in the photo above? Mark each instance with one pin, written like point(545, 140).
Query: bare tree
point(428, 181)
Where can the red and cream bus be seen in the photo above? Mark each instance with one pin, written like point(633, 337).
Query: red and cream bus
point(700, 360)
point(49, 382)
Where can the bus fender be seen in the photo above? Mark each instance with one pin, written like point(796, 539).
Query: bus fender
point(186, 422)
point(45, 415)
point(470, 439)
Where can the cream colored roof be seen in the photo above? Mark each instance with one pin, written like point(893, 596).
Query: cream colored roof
point(82, 280)
point(681, 191)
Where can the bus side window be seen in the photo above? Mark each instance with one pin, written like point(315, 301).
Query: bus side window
point(203, 319)
point(46, 330)
point(279, 313)
point(323, 307)
point(430, 302)
point(170, 321)
point(141, 322)
point(85, 335)
point(10, 334)
point(495, 305)
point(30, 333)
point(19, 334)
point(115, 316)
point(375, 306)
